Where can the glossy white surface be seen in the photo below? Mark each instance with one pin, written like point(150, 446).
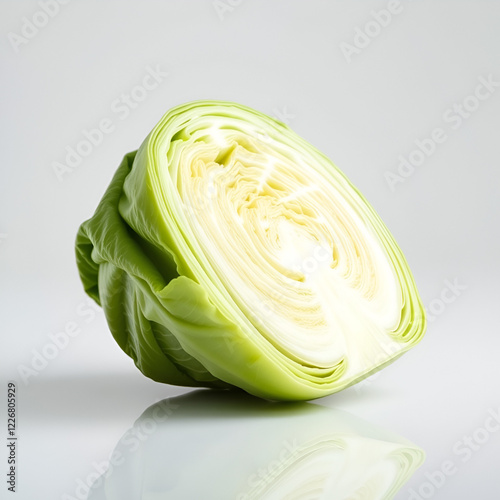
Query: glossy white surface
point(81, 70)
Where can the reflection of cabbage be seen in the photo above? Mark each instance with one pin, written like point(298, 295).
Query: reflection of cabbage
point(213, 446)
point(228, 251)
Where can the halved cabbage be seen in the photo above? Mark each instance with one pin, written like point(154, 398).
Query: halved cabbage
point(229, 251)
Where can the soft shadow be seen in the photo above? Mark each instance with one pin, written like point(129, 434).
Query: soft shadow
point(97, 398)
point(229, 445)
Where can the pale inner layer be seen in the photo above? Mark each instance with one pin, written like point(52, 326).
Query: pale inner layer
point(290, 246)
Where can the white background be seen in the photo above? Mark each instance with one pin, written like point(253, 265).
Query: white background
point(284, 59)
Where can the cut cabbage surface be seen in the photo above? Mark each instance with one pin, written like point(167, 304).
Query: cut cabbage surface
point(228, 251)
